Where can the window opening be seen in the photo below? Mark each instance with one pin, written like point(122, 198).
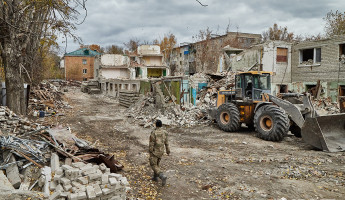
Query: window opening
point(282, 54)
point(84, 71)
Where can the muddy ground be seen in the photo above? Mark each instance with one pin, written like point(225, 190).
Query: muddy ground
point(205, 162)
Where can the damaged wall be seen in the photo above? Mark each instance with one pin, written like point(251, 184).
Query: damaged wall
point(325, 69)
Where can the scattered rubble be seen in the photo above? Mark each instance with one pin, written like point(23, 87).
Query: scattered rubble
point(90, 87)
point(47, 98)
point(325, 106)
point(157, 106)
point(27, 147)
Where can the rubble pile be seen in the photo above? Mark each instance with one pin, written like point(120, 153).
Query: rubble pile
point(325, 106)
point(146, 112)
point(82, 181)
point(26, 147)
point(10, 123)
point(47, 97)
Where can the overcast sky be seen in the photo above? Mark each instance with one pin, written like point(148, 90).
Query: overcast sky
point(117, 21)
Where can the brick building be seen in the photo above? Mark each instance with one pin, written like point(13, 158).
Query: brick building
point(79, 64)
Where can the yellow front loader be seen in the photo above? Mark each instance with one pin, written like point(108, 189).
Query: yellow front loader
point(251, 103)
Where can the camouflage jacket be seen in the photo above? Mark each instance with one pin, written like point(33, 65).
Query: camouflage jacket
point(159, 139)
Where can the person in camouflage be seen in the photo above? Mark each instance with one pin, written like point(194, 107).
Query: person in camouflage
point(158, 140)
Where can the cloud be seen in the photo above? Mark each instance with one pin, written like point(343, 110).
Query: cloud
point(117, 21)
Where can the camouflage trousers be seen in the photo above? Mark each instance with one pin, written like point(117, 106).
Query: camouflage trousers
point(154, 163)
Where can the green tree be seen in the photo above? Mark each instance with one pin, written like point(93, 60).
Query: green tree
point(335, 23)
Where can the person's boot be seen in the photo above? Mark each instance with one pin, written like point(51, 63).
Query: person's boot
point(155, 177)
point(163, 178)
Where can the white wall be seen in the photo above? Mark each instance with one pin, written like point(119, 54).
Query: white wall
point(114, 60)
point(115, 73)
point(149, 49)
point(282, 70)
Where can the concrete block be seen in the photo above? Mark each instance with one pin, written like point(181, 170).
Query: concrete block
point(78, 164)
point(83, 180)
point(113, 181)
point(59, 188)
point(57, 177)
point(54, 162)
point(107, 191)
point(4, 182)
point(55, 195)
point(98, 190)
point(90, 191)
point(86, 170)
point(124, 181)
point(72, 196)
point(72, 174)
point(12, 171)
point(114, 175)
point(67, 187)
point(74, 189)
point(76, 184)
point(82, 195)
point(96, 166)
point(64, 194)
point(66, 167)
point(59, 171)
point(65, 181)
point(53, 185)
point(68, 161)
point(102, 167)
point(95, 176)
point(105, 179)
point(107, 171)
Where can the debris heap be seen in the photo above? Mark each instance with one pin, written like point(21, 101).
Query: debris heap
point(82, 181)
point(146, 113)
point(47, 97)
point(325, 106)
point(53, 163)
point(10, 123)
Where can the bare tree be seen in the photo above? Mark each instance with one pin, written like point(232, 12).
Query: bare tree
point(114, 49)
point(22, 26)
point(277, 33)
point(335, 23)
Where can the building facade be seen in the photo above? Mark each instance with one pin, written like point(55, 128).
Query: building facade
point(79, 64)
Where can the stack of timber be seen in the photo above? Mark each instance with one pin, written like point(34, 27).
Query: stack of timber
point(127, 98)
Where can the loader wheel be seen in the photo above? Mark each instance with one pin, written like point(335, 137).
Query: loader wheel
point(296, 130)
point(228, 117)
point(271, 123)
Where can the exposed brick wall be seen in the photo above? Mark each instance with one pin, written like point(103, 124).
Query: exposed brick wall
point(74, 68)
point(329, 65)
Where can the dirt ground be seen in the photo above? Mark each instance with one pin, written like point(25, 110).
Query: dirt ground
point(205, 162)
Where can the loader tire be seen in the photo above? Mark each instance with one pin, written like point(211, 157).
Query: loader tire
point(228, 117)
point(271, 123)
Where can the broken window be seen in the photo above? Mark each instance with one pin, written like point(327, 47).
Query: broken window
point(283, 88)
point(341, 50)
point(84, 79)
point(84, 61)
point(310, 56)
point(341, 90)
point(282, 54)
point(84, 71)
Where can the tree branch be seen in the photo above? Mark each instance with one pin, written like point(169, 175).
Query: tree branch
point(201, 3)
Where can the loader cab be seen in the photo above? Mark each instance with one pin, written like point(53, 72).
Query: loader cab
point(250, 85)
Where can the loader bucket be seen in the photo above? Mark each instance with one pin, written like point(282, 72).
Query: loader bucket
point(325, 132)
